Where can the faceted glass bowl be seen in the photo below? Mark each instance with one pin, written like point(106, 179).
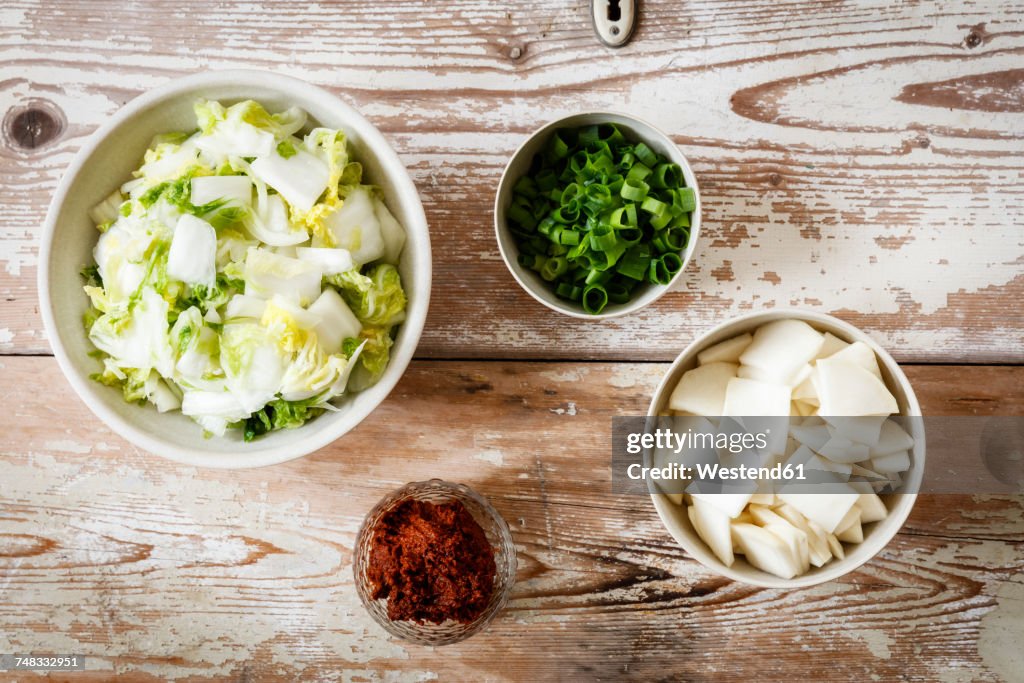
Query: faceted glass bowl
point(498, 534)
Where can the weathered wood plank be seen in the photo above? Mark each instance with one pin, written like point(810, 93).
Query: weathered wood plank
point(858, 158)
point(155, 570)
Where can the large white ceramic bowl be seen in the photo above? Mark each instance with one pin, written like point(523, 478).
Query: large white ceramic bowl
point(534, 285)
point(107, 160)
point(876, 535)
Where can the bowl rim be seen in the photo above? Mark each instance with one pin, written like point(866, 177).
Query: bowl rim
point(315, 438)
point(633, 305)
point(897, 514)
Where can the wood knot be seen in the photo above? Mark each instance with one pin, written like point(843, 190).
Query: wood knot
point(775, 179)
point(923, 142)
point(972, 40)
point(33, 125)
point(515, 53)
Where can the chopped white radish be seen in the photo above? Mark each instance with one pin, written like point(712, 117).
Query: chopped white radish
point(702, 390)
point(841, 449)
point(872, 508)
point(391, 231)
point(862, 430)
point(337, 322)
point(331, 261)
point(761, 375)
point(300, 179)
point(846, 389)
point(803, 409)
point(744, 397)
point(782, 348)
point(762, 499)
point(794, 539)
point(852, 534)
point(860, 354)
point(676, 498)
point(835, 546)
point(355, 227)
point(727, 351)
point(869, 475)
point(802, 375)
point(851, 517)
point(892, 439)
point(766, 551)
point(713, 526)
point(817, 543)
point(242, 306)
point(731, 504)
point(193, 254)
point(235, 189)
point(894, 462)
point(764, 515)
point(812, 436)
point(825, 510)
point(267, 274)
point(831, 345)
point(805, 391)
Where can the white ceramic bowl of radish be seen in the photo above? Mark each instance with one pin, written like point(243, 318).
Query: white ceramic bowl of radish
point(69, 236)
point(876, 535)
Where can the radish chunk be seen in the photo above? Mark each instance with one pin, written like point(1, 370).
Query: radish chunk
point(812, 436)
point(193, 254)
point(894, 462)
point(766, 551)
point(826, 510)
point(852, 534)
point(748, 397)
point(337, 322)
point(702, 390)
point(872, 509)
point(331, 261)
point(391, 231)
point(806, 392)
point(892, 439)
point(841, 449)
point(300, 179)
point(835, 546)
point(234, 189)
point(267, 274)
point(831, 345)
point(862, 430)
point(819, 552)
point(731, 504)
point(712, 525)
point(727, 351)
point(860, 354)
point(356, 228)
point(849, 390)
point(782, 347)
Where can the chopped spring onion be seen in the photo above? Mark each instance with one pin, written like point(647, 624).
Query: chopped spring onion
point(597, 215)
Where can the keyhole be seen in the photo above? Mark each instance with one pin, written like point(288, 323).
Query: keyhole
point(614, 11)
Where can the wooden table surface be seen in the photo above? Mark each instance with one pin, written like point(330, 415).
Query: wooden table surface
point(860, 158)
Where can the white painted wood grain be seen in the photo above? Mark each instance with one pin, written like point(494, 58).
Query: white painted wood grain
point(825, 184)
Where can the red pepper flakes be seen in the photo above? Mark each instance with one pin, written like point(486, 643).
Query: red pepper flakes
point(431, 563)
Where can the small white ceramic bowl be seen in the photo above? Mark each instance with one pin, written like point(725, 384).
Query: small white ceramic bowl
point(876, 535)
point(107, 160)
point(520, 162)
